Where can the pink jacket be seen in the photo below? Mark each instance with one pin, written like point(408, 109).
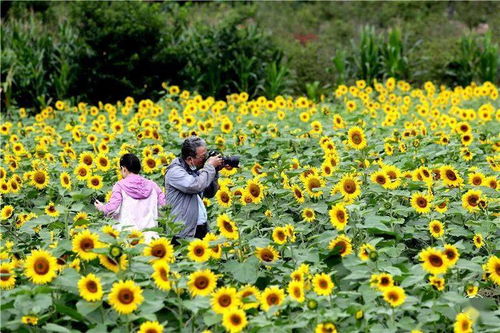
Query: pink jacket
point(136, 187)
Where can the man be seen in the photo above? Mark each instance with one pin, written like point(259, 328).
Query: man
point(189, 178)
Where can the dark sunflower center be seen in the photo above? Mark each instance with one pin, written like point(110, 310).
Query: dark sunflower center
point(341, 246)
point(42, 266)
point(323, 284)
point(356, 138)
point(126, 296)
point(421, 202)
point(92, 286)
point(436, 261)
point(281, 235)
point(393, 297)
point(267, 255)
point(201, 282)
point(199, 251)
point(451, 175)
point(163, 274)
point(158, 251)
point(384, 281)
point(350, 186)
point(472, 200)
point(254, 190)
point(235, 319)
point(4, 277)
point(298, 194)
point(341, 216)
point(314, 183)
point(381, 180)
point(228, 226)
point(87, 244)
point(225, 300)
point(95, 181)
point(224, 197)
point(272, 299)
point(39, 178)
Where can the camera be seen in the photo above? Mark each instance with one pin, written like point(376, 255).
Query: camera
point(93, 198)
point(232, 161)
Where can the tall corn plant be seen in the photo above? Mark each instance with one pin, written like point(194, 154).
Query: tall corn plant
point(368, 60)
point(394, 59)
point(488, 61)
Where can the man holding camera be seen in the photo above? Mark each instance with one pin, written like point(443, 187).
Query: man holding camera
point(189, 178)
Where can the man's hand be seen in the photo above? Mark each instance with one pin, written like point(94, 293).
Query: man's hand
point(98, 204)
point(215, 161)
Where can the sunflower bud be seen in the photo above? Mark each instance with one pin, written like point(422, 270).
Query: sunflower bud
point(115, 251)
point(373, 255)
point(312, 304)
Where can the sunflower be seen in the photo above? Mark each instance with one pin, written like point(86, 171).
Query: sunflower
point(296, 291)
point(40, 267)
point(436, 229)
point(249, 297)
point(224, 299)
point(6, 212)
point(227, 227)
point(451, 252)
point(94, 182)
point(395, 296)
point(366, 251)
point(323, 284)
point(308, 215)
point(325, 328)
point(223, 197)
point(476, 178)
point(86, 158)
point(493, 268)
point(478, 240)
point(29, 320)
point(463, 323)
point(65, 180)
point(160, 249)
point(40, 179)
point(349, 186)
point(434, 261)
point(125, 296)
point(90, 288)
point(271, 296)
point(83, 244)
point(442, 207)
point(298, 194)
point(149, 164)
point(202, 282)
point(470, 200)
point(8, 276)
point(312, 184)
point(381, 178)
point(150, 327)
point(255, 189)
point(342, 244)
point(267, 254)
point(384, 281)
point(280, 235)
point(82, 172)
point(450, 176)
point(471, 291)
point(215, 250)
point(160, 275)
point(437, 282)
point(234, 320)
point(102, 162)
point(51, 210)
point(338, 216)
point(421, 202)
point(198, 250)
point(114, 264)
point(135, 237)
point(109, 230)
point(356, 138)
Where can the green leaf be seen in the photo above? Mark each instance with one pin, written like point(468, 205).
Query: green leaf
point(197, 304)
point(245, 272)
point(41, 302)
point(85, 307)
point(69, 311)
point(56, 328)
point(211, 318)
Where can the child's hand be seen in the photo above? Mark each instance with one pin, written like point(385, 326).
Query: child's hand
point(98, 204)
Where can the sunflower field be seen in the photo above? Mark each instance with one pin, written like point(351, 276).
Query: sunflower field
point(373, 209)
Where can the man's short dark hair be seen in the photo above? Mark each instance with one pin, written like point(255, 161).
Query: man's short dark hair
point(190, 145)
point(131, 162)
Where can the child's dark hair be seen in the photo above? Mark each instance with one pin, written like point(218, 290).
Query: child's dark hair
point(131, 162)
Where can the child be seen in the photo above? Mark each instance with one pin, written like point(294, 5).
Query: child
point(135, 199)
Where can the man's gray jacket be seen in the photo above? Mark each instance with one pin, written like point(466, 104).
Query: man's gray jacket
point(182, 186)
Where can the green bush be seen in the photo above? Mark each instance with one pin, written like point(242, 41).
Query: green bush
point(477, 59)
point(37, 61)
